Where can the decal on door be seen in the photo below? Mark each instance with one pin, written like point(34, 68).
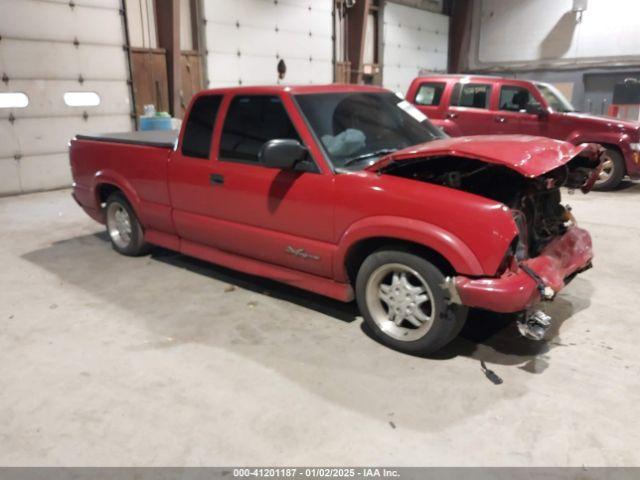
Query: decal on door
point(301, 252)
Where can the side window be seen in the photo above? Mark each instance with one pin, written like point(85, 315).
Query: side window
point(429, 94)
point(515, 99)
point(196, 141)
point(472, 95)
point(253, 120)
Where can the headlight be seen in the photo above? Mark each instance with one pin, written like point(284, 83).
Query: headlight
point(635, 147)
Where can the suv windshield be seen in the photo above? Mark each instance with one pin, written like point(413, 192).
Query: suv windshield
point(555, 99)
point(357, 128)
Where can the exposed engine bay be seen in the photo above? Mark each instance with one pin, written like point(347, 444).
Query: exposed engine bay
point(535, 203)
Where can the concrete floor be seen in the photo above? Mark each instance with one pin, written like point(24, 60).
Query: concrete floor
point(165, 360)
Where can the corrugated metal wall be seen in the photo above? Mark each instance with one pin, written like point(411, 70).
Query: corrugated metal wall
point(48, 48)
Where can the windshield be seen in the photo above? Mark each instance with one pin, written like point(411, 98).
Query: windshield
point(357, 128)
point(555, 99)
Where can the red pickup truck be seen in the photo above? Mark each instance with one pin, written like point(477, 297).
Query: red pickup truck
point(479, 105)
point(348, 191)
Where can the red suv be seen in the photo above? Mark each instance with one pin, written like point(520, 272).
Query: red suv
point(477, 105)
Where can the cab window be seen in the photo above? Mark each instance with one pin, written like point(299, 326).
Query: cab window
point(196, 141)
point(253, 120)
point(474, 95)
point(515, 99)
point(429, 94)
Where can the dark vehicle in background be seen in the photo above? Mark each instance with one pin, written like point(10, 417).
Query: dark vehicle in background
point(480, 105)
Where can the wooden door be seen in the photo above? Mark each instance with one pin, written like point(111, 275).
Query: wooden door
point(191, 75)
point(150, 81)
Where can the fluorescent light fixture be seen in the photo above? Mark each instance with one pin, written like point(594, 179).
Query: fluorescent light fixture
point(81, 99)
point(13, 100)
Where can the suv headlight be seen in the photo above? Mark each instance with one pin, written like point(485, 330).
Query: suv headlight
point(635, 147)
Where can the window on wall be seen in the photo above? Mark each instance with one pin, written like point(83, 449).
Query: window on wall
point(13, 100)
point(430, 94)
point(472, 95)
point(141, 20)
point(196, 141)
point(253, 120)
point(515, 99)
point(81, 99)
point(186, 26)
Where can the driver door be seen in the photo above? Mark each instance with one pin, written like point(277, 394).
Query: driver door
point(277, 216)
point(512, 116)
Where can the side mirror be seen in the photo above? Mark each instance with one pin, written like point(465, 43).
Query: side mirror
point(282, 153)
point(535, 109)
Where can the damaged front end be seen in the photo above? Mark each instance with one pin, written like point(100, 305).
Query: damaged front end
point(549, 249)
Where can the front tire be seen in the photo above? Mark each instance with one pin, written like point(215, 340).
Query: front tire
point(612, 172)
point(403, 301)
point(123, 227)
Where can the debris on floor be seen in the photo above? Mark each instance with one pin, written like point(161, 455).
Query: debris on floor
point(490, 374)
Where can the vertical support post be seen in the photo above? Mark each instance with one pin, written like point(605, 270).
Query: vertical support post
point(199, 30)
point(460, 15)
point(168, 21)
point(127, 47)
point(356, 31)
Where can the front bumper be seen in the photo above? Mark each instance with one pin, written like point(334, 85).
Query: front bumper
point(540, 278)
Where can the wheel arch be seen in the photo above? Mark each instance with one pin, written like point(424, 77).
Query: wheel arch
point(608, 141)
point(362, 249)
point(105, 183)
point(439, 246)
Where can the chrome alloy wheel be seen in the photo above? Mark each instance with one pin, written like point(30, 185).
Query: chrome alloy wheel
point(119, 225)
point(400, 301)
point(607, 170)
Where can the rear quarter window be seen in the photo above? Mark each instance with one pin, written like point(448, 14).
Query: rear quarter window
point(196, 141)
point(430, 93)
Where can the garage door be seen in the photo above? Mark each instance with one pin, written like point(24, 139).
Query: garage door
point(414, 41)
point(247, 38)
point(61, 75)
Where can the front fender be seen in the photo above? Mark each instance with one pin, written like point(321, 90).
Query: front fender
point(611, 138)
point(621, 140)
point(452, 248)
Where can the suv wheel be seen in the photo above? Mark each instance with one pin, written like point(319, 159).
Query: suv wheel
point(612, 171)
point(402, 300)
point(123, 226)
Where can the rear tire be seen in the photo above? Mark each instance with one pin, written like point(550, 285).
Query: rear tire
point(123, 227)
point(613, 171)
point(403, 301)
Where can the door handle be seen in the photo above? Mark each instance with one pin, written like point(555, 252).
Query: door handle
point(451, 115)
point(500, 119)
point(216, 179)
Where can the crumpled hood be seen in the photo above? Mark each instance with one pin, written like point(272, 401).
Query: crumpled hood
point(527, 155)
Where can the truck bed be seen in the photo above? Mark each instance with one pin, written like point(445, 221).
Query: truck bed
point(152, 138)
